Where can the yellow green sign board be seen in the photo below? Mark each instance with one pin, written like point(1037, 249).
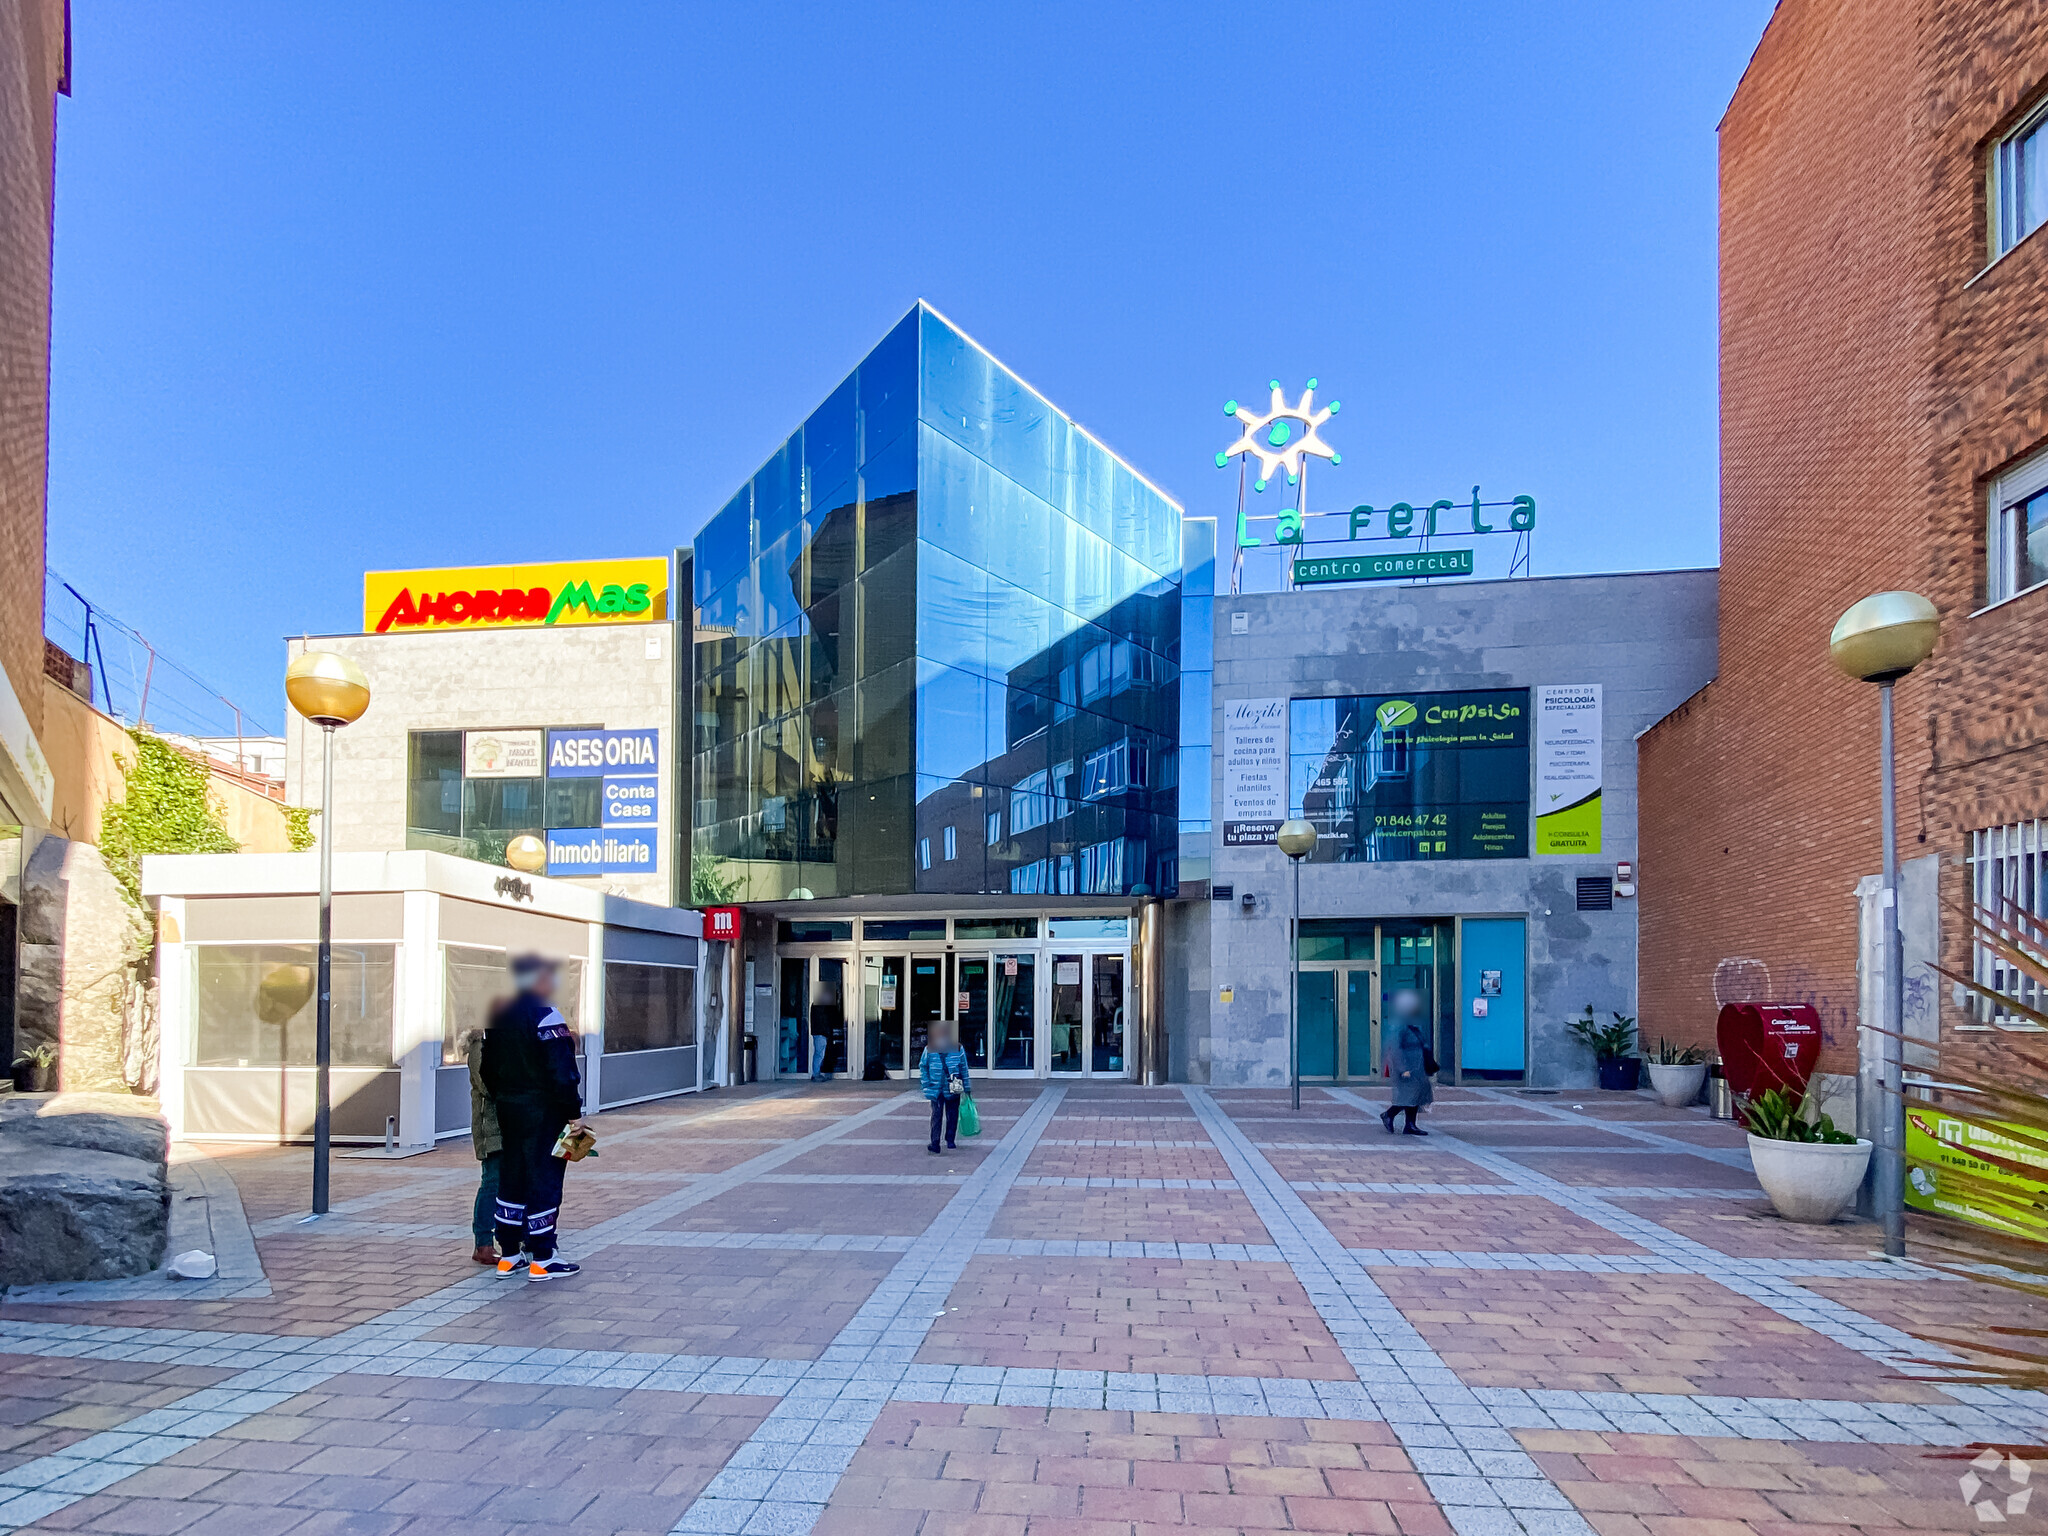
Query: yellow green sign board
point(1939, 1143)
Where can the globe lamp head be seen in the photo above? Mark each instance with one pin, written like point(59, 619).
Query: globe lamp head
point(1885, 636)
point(527, 854)
point(327, 689)
point(1297, 838)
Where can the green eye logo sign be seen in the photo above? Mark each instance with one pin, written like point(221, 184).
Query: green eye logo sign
point(1394, 714)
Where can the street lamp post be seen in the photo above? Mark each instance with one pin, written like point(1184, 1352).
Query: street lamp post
point(330, 691)
point(1879, 640)
point(1297, 839)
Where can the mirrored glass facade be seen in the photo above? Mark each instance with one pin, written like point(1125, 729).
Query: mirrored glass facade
point(938, 649)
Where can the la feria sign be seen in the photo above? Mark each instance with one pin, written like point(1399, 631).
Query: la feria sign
point(517, 596)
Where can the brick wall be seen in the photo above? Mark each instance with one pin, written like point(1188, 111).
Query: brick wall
point(1870, 389)
point(32, 65)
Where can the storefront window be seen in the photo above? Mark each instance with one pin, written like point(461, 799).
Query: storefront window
point(256, 1004)
point(475, 980)
point(648, 1007)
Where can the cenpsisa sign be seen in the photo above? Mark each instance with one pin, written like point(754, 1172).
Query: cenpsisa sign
point(516, 596)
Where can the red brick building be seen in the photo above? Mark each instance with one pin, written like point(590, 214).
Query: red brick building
point(1884, 389)
point(34, 69)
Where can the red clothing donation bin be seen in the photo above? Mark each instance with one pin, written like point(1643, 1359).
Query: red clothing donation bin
point(1768, 1045)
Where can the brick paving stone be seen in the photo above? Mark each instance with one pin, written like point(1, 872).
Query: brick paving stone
point(1677, 1170)
point(358, 1454)
point(1372, 1164)
point(1503, 1223)
point(1127, 1162)
point(699, 1301)
point(930, 1469)
point(1130, 1215)
point(1753, 1230)
point(878, 1210)
point(1214, 1317)
point(1628, 1333)
point(1673, 1485)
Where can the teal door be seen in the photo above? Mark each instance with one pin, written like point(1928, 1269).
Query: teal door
point(1493, 1020)
point(1316, 1023)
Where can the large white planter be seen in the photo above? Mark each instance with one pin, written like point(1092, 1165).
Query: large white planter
point(1809, 1181)
point(1677, 1086)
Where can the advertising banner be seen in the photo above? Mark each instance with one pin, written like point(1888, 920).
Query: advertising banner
point(517, 596)
point(1938, 1143)
point(501, 754)
point(1254, 771)
point(1568, 768)
point(1388, 778)
point(574, 851)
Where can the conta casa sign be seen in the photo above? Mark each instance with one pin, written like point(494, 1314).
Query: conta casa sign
point(517, 596)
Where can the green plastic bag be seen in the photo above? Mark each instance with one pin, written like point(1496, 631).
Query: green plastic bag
point(970, 1117)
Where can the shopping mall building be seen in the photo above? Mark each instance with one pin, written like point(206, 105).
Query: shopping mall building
point(975, 737)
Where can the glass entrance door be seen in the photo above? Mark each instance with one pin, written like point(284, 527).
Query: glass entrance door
point(1337, 1022)
point(902, 995)
point(1085, 1032)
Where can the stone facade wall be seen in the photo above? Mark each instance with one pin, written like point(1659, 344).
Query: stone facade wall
point(580, 675)
point(1875, 377)
point(1647, 639)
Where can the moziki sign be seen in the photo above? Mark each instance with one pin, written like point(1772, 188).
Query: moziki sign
point(517, 596)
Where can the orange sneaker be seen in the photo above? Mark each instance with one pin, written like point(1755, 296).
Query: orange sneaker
point(512, 1264)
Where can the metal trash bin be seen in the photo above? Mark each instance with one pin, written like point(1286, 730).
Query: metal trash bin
point(1720, 1098)
point(750, 1047)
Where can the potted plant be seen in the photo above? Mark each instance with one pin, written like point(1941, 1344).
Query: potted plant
point(35, 1069)
point(1810, 1170)
point(1676, 1072)
point(1610, 1045)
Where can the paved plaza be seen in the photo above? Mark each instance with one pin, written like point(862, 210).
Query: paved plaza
point(1118, 1311)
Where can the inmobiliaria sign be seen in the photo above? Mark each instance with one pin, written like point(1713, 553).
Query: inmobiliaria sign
point(517, 596)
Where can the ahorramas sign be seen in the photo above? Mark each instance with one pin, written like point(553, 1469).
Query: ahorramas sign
point(516, 596)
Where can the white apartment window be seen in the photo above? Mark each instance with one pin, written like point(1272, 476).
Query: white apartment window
point(952, 845)
point(2019, 181)
point(2008, 876)
point(2016, 542)
point(924, 853)
point(992, 829)
point(1031, 802)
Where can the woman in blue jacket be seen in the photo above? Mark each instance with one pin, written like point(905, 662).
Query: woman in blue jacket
point(943, 1072)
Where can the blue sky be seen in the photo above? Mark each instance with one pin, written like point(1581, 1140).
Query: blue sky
point(346, 287)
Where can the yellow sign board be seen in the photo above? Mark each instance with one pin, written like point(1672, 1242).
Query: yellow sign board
point(516, 596)
point(1937, 1142)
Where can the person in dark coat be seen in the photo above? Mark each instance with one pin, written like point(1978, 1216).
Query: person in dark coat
point(529, 1070)
point(1407, 1062)
point(825, 1017)
point(490, 1154)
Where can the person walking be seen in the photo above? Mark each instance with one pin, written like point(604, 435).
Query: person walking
point(825, 1017)
point(489, 1143)
point(943, 1074)
point(529, 1070)
point(1408, 1062)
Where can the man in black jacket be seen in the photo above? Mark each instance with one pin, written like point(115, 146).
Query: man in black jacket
point(529, 1066)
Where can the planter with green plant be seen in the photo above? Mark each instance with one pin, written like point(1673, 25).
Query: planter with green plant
point(1810, 1170)
point(35, 1069)
point(1677, 1072)
point(1611, 1045)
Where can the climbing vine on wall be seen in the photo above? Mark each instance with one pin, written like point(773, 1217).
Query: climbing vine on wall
point(298, 825)
point(165, 808)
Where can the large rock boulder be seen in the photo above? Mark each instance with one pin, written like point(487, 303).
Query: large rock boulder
point(119, 1123)
point(83, 1191)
